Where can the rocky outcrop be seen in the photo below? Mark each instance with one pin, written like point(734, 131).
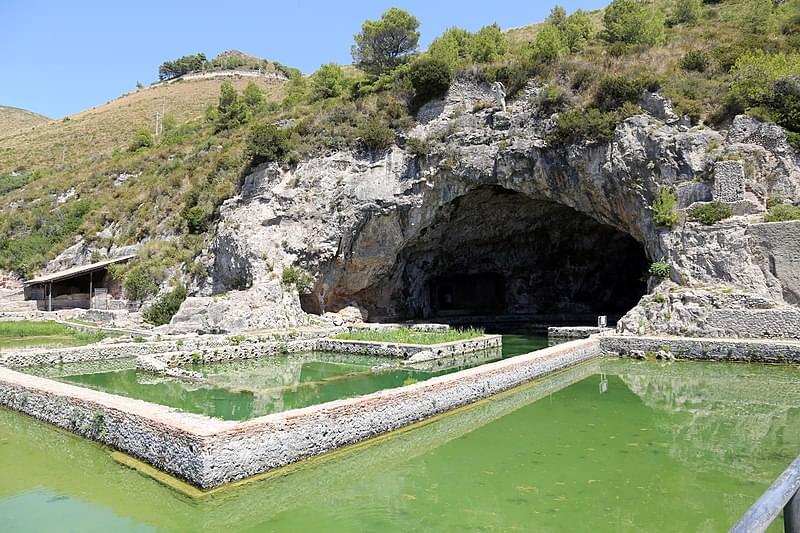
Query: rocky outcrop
point(494, 209)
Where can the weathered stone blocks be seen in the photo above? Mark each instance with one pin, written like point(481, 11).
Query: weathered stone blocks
point(729, 181)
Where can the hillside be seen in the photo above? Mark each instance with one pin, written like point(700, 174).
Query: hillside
point(82, 175)
point(97, 132)
point(14, 119)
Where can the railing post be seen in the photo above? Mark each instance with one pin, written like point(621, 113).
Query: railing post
point(791, 515)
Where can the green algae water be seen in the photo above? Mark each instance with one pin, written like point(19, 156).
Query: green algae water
point(242, 390)
point(606, 446)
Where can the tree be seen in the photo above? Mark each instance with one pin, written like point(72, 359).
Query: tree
point(557, 17)
point(384, 44)
point(452, 47)
point(488, 44)
point(430, 78)
point(633, 22)
point(327, 82)
point(183, 65)
point(549, 44)
point(231, 111)
point(253, 97)
point(577, 30)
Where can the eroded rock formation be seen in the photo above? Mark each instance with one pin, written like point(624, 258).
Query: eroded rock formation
point(493, 220)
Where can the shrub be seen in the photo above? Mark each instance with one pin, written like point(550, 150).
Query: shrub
point(783, 102)
point(141, 139)
point(164, 308)
point(665, 208)
point(577, 30)
point(660, 269)
point(614, 91)
point(430, 78)
point(418, 147)
point(375, 134)
point(327, 82)
point(267, 143)
point(197, 217)
point(782, 213)
point(452, 47)
point(710, 213)
point(550, 100)
point(756, 72)
point(298, 278)
point(549, 44)
point(633, 22)
point(139, 284)
point(577, 125)
point(488, 44)
point(253, 97)
point(231, 110)
point(686, 11)
point(695, 60)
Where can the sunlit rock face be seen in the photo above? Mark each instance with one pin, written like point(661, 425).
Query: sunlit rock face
point(495, 220)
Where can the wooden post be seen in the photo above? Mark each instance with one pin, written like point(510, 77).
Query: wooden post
point(50, 297)
point(91, 292)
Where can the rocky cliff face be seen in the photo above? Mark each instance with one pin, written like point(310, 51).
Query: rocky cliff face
point(487, 218)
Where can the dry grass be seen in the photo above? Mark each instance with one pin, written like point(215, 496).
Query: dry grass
point(96, 132)
point(14, 119)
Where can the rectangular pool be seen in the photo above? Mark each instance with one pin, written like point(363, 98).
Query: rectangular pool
point(607, 446)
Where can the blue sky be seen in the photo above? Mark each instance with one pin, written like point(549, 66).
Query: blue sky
point(60, 57)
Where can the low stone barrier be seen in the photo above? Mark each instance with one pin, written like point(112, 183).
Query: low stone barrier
point(703, 349)
point(209, 452)
point(405, 351)
point(575, 332)
point(203, 344)
point(217, 354)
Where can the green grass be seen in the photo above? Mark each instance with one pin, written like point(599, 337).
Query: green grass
point(30, 334)
point(410, 336)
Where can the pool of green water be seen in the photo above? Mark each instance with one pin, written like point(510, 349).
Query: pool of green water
point(242, 390)
point(607, 446)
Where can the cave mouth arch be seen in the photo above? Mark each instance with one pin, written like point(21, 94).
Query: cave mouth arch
point(493, 252)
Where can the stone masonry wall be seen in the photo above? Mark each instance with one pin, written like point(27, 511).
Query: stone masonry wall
point(404, 351)
point(704, 349)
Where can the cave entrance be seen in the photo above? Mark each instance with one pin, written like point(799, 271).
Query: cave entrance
point(489, 254)
point(499, 253)
point(467, 294)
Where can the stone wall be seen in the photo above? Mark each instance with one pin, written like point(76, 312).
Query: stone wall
point(224, 346)
point(761, 351)
point(405, 351)
point(575, 332)
point(209, 453)
point(168, 440)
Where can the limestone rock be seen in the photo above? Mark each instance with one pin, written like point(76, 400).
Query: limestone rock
point(376, 230)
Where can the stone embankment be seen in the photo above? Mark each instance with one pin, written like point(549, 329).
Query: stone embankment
point(216, 347)
point(702, 349)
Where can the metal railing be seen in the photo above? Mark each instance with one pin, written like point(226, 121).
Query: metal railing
point(782, 495)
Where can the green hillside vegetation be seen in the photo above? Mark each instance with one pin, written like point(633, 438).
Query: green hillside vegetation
point(713, 59)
